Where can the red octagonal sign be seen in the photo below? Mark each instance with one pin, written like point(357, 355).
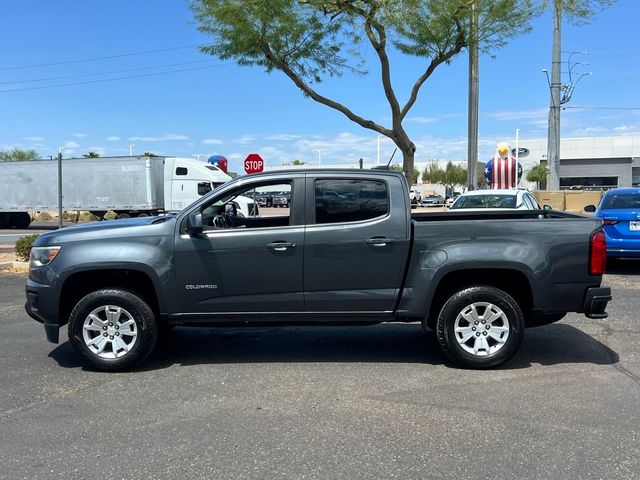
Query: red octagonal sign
point(253, 163)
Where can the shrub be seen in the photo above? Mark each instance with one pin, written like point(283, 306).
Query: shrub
point(42, 217)
point(87, 217)
point(24, 245)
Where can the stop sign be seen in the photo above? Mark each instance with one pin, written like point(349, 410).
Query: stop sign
point(253, 163)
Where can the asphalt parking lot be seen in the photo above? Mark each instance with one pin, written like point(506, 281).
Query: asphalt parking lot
point(367, 402)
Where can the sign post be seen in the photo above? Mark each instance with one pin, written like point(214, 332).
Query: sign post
point(253, 164)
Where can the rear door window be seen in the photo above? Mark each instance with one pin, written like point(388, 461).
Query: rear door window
point(341, 200)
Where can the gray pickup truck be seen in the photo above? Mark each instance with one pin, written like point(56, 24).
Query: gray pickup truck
point(347, 251)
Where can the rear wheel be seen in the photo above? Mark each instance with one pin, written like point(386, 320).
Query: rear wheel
point(480, 327)
point(112, 330)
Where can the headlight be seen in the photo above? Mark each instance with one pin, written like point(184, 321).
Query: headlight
point(41, 256)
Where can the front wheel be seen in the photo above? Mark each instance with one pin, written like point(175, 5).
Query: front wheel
point(112, 330)
point(480, 327)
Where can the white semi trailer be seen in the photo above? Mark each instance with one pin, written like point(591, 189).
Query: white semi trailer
point(128, 186)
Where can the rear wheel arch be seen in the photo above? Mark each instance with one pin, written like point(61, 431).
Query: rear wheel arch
point(513, 282)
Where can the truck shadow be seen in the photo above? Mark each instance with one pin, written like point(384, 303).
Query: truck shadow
point(390, 343)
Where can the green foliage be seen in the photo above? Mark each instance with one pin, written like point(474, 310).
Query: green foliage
point(18, 155)
point(149, 154)
point(538, 174)
point(297, 162)
point(91, 155)
point(452, 175)
point(24, 245)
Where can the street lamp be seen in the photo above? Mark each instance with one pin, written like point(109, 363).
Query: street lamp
point(320, 150)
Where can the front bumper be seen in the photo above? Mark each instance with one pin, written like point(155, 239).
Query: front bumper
point(42, 306)
point(596, 301)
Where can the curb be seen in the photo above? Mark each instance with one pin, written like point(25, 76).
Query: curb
point(17, 265)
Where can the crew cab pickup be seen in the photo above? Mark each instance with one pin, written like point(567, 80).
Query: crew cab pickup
point(359, 257)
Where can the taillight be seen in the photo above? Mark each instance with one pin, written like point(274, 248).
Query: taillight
point(609, 222)
point(598, 253)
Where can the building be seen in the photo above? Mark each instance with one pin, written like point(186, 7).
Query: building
point(595, 163)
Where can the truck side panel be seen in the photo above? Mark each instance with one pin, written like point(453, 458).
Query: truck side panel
point(552, 254)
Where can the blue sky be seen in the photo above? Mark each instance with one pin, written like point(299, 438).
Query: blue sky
point(215, 107)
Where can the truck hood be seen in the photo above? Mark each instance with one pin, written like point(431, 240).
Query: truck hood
point(111, 228)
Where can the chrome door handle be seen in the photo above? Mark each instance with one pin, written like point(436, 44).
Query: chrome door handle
point(280, 246)
point(379, 241)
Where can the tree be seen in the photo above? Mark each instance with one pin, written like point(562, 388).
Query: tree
point(149, 154)
point(433, 173)
point(311, 39)
point(91, 155)
point(297, 162)
point(538, 174)
point(18, 155)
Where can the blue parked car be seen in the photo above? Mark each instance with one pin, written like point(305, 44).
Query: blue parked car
point(620, 210)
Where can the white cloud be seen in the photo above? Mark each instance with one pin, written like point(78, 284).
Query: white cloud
point(212, 141)
point(421, 119)
point(79, 135)
point(165, 137)
point(113, 138)
point(625, 128)
point(282, 137)
point(70, 144)
point(589, 131)
point(244, 140)
point(527, 116)
point(34, 139)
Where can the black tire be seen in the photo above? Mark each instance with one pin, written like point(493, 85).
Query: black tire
point(137, 309)
point(20, 220)
point(123, 215)
point(508, 326)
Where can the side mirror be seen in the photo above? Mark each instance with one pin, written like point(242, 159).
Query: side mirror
point(547, 208)
point(590, 208)
point(194, 223)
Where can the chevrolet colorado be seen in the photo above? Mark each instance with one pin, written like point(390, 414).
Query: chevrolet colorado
point(359, 257)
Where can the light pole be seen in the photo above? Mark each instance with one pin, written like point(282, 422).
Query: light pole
point(379, 136)
point(131, 150)
point(60, 188)
point(320, 150)
point(198, 155)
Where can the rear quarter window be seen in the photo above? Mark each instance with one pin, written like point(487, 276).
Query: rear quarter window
point(340, 200)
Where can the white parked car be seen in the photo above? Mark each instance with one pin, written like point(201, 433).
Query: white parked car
point(496, 200)
point(415, 196)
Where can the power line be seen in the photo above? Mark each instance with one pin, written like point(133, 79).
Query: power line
point(13, 82)
point(94, 59)
point(115, 78)
point(604, 108)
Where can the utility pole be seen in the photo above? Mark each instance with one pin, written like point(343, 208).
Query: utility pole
point(553, 136)
point(131, 150)
point(60, 188)
point(472, 142)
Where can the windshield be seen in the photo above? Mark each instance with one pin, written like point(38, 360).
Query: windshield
point(620, 201)
point(485, 201)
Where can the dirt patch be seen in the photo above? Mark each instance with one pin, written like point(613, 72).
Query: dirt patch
point(8, 257)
